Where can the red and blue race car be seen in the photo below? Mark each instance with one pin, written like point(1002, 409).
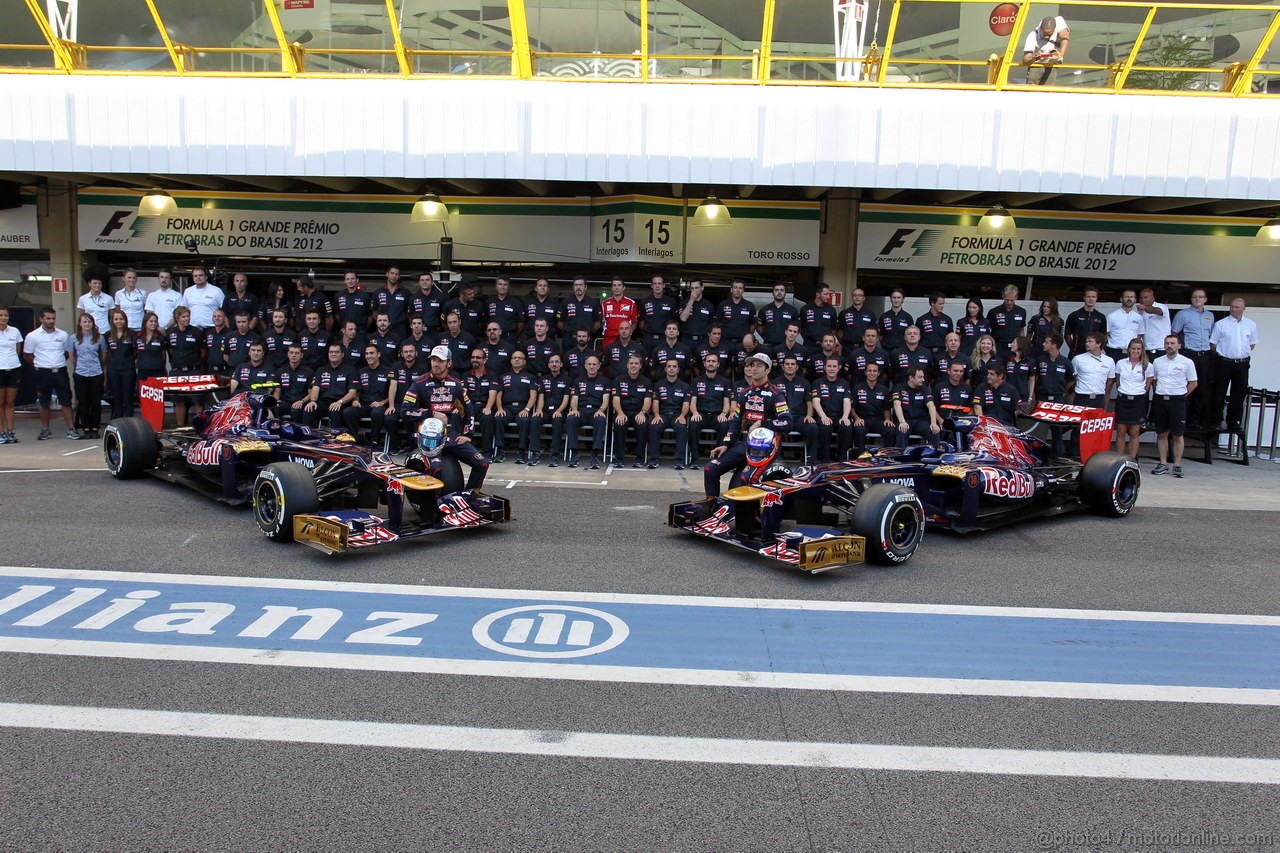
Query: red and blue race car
point(316, 486)
point(876, 507)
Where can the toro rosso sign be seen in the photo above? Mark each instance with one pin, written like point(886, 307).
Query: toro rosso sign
point(1006, 484)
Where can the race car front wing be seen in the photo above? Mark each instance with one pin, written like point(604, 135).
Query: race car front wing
point(340, 531)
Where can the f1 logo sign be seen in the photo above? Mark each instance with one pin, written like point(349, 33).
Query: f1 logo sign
point(919, 246)
point(550, 631)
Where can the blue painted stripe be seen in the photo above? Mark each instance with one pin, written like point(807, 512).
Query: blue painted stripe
point(730, 638)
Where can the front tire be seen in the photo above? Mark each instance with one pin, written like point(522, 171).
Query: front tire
point(1109, 484)
point(281, 491)
point(891, 519)
point(129, 448)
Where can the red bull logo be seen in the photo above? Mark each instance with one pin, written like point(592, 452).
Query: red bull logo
point(1010, 485)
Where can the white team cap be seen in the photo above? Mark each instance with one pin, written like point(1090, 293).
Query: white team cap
point(763, 359)
point(442, 352)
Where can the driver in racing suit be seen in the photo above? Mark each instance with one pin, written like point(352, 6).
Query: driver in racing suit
point(756, 404)
point(438, 395)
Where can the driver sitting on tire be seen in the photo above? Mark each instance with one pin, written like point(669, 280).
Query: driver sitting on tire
point(758, 404)
point(434, 441)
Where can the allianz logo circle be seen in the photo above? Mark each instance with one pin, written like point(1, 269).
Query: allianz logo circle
point(550, 631)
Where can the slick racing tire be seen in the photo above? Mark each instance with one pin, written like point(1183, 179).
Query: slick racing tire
point(891, 519)
point(281, 491)
point(129, 447)
point(1109, 484)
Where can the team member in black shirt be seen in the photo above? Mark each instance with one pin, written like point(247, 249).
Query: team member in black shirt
point(773, 319)
point(655, 310)
point(670, 347)
point(696, 315)
point(497, 350)
point(910, 355)
point(672, 401)
point(426, 305)
point(832, 404)
point(241, 300)
point(915, 411)
point(1020, 366)
point(375, 385)
point(954, 389)
point(482, 392)
point(353, 342)
point(791, 347)
point(972, 326)
point(386, 337)
point(935, 325)
point(590, 399)
point(235, 345)
point(421, 340)
point(309, 299)
point(1082, 321)
point(278, 339)
point(440, 395)
point(185, 346)
point(872, 399)
point(539, 347)
point(818, 317)
point(895, 322)
point(632, 398)
point(295, 386)
point(1053, 380)
point(737, 314)
point(799, 392)
point(856, 360)
point(332, 390)
point(996, 398)
point(352, 303)
point(1007, 320)
point(715, 343)
point(855, 319)
point(518, 395)
point(459, 341)
point(618, 353)
point(313, 340)
point(712, 398)
point(575, 357)
point(950, 355)
point(541, 304)
point(254, 371)
point(579, 313)
point(504, 310)
point(151, 343)
point(554, 392)
point(394, 301)
point(215, 340)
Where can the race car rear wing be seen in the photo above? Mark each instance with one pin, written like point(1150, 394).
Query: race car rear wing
point(1095, 425)
point(152, 392)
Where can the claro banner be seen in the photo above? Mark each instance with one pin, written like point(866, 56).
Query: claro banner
point(1074, 245)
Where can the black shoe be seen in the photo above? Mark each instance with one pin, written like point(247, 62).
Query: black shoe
point(499, 456)
point(679, 467)
point(521, 459)
point(595, 463)
point(695, 465)
point(637, 464)
point(653, 466)
point(552, 463)
point(573, 461)
point(533, 458)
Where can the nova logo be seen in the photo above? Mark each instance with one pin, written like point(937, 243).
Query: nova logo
point(550, 631)
point(920, 246)
point(304, 461)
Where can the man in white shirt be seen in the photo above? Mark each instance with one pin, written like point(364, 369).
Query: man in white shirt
point(202, 298)
point(1045, 47)
point(1174, 378)
point(1093, 369)
point(95, 303)
point(132, 300)
point(1156, 322)
point(1123, 325)
point(1232, 341)
point(162, 302)
point(45, 349)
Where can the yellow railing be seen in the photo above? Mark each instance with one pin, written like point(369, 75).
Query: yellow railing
point(889, 59)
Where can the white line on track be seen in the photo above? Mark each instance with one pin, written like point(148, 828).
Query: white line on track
point(50, 470)
point(558, 744)
point(630, 598)
point(82, 450)
point(1090, 691)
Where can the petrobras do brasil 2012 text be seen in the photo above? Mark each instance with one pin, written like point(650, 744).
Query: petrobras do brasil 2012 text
point(1036, 253)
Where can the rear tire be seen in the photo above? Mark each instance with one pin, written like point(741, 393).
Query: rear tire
point(1109, 484)
point(129, 447)
point(891, 519)
point(281, 491)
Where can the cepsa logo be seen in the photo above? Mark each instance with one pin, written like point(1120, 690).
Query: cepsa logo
point(1002, 18)
point(148, 392)
point(1013, 485)
point(1092, 425)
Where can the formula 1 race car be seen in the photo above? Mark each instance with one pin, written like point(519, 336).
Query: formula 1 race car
point(308, 485)
point(876, 507)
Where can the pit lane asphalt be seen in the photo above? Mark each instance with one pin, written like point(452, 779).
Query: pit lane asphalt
point(66, 790)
